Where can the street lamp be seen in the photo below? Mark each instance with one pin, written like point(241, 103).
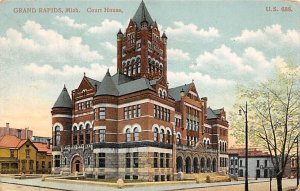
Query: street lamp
point(245, 111)
point(297, 160)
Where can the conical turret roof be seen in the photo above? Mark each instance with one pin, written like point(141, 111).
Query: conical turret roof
point(107, 86)
point(63, 100)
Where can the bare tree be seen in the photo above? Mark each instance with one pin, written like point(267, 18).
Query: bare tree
point(274, 117)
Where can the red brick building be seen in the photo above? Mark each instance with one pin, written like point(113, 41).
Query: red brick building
point(132, 125)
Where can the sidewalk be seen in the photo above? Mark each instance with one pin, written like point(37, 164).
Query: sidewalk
point(85, 187)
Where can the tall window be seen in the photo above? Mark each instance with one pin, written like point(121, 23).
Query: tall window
point(136, 134)
point(139, 68)
point(57, 136)
point(162, 160)
point(162, 135)
point(128, 135)
point(138, 113)
point(134, 110)
point(128, 160)
point(101, 112)
point(155, 160)
point(178, 139)
point(168, 137)
point(75, 136)
point(101, 160)
point(155, 134)
point(135, 160)
point(167, 160)
point(81, 134)
point(102, 135)
point(57, 161)
point(87, 134)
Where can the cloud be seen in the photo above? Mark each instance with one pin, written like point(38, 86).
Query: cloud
point(251, 64)
point(106, 27)
point(270, 36)
point(178, 55)
point(191, 30)
point(109, 46)
point(46, 44)
point(70, 22)
point(94, 70)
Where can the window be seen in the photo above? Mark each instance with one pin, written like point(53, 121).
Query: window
point(75, 136)
point(127, 177)
point(129, 112)
point(31, 164)
point(95, 114)
point(128, 160)
point(139, 68)
point(266, 163)
point(135, 160)
point(101, 160)
point(257, 163)
point(167, 160)
point(178, 139)
point(128, 135)
point(101, 112)
point(12, 153)
point(126, 113)
point(136, 134)
point(57, 136)
point(162, 135)
point(27, 153)
point(87, 134)
point(81, 134)
point(241, 163)
point(43, 164)
point(138, 113)
point(57, 161)
point(102, 135)
point(168, 136)
point(134, 111)
point(155, 165)
point(135, 177)
point(155, 134)
point(65, 161)
point(89, 161)
point(162, 160)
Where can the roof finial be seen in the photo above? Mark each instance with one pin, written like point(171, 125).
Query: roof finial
point(84, 74)
point(65, 86)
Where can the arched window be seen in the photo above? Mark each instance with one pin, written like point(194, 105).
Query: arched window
point(225, 146)
point(138, 65)
point(160, 69)
point(160, 93)
point(57, 135)
point(128, 135)
point(156, 67)
point(81, 134)
point(87, 134)
point(136, 134)
point(178, 139)
point(129, 70)
point(168, 136)
point(75, 135)
point(162, 136)
point(155, 134)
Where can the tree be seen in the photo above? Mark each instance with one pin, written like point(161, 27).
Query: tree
point(273, 116)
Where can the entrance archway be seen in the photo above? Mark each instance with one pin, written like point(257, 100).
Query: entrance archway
point(214, 165)
point(202, 164)
point(188, 164)
point(77, 164)
point(196, 165)
point(179, 164)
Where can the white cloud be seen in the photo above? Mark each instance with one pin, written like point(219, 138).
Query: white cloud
point(250, 65)
point(70, 22)
point(94, 70)
point(179, 78)
point(270, 36)
point(45, 43)
point(191, 30)
point(109, 46)
point(178, 55)
point(106, 27)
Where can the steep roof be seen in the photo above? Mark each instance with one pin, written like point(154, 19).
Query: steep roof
point(42, 147)
point(11, 141)
point(134, 86)
point(142, 14)
point(63, 99)
point(120, 78)
point(211, 114)
point(93, 82)
point(107, 86)
point(175, 92)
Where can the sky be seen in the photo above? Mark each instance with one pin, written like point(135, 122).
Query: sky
point(218, 44)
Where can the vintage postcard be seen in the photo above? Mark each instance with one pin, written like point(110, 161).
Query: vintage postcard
point(149, 95)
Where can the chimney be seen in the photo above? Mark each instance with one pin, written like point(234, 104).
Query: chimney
point(19, 133)
point(7, 125)
point(204, 100)
point(26, 133)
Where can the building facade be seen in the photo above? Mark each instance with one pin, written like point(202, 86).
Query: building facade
point(259, 163)
point(132, 125)
point(23, 156)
